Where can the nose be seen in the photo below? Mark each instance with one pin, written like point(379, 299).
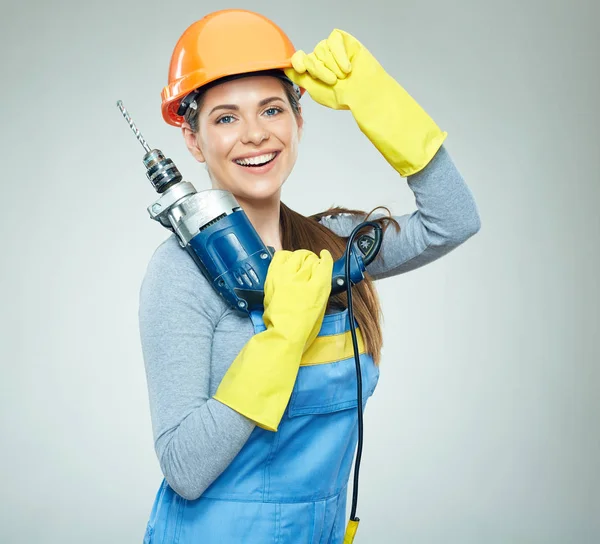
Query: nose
point(255, 132)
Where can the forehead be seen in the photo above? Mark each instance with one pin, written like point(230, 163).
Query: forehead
point(248, 89)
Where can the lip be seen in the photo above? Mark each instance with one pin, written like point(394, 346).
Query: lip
point(258, 170)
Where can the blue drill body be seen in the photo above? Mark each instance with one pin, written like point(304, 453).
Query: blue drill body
point(235, 260)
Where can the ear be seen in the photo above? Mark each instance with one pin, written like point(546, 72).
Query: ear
point(300, 121)
point(191, 141)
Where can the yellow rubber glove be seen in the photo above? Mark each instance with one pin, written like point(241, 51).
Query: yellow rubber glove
point(259, 382)
point(341, 74)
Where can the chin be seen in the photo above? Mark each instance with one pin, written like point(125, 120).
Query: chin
point(264, 191)
point(257, 196)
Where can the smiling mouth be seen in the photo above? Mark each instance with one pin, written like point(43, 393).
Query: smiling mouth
point(261, 160)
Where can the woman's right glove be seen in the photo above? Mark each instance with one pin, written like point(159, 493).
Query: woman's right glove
point(259, 382)
point(342, 74)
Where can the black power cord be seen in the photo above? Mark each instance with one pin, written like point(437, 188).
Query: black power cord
point(357, 354)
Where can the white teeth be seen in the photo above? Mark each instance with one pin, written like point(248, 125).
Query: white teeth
point(255, 161)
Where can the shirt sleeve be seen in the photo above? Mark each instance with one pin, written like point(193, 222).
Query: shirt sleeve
point(446, 216)
point(195, 436)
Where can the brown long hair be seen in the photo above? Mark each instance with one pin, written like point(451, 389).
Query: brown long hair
point(300, 232)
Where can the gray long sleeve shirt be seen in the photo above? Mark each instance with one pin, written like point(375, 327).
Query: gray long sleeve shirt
point(190, 336)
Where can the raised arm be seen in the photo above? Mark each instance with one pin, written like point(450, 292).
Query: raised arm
point(342, 74)
point(446, 216)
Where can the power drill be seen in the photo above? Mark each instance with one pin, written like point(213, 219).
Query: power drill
point(213, 228)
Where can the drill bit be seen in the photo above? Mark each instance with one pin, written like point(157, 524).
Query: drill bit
point(136, 130)
point(160, 170)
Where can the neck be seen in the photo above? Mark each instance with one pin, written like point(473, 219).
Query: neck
point(264, 216)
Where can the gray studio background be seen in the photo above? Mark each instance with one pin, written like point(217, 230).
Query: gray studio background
point(484, 426)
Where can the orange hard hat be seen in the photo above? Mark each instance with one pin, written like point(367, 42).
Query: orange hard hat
point(224, 43)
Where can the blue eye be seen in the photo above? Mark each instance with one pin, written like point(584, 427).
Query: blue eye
point(274, 111)
point(222, 121)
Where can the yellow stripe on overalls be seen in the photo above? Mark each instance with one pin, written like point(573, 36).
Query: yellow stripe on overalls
point(328, 349)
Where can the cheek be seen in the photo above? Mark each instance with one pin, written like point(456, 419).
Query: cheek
point(288, 134)
point(218, 143)
point(292, 141)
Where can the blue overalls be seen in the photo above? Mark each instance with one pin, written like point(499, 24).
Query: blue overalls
point(289, 486)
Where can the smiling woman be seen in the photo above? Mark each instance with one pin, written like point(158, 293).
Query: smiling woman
point(236, 475)
point(246, 131)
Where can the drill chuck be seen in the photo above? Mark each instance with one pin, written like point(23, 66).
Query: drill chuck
point(161, 171)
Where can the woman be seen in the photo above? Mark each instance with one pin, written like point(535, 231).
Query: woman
point(255, 421)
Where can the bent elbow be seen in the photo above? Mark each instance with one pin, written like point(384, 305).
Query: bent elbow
point(177, 474)
point(181, 484)
point(188, 493)
point(472, 226)
point(466, 227)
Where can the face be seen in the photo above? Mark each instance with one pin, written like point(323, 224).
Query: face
point(248, 137)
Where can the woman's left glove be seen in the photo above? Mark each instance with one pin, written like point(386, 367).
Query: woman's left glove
point(260, 381)
point(341, 74)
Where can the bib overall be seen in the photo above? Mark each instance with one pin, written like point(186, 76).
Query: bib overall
point(289, 486)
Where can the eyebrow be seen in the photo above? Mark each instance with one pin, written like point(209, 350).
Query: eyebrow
point(262, 103)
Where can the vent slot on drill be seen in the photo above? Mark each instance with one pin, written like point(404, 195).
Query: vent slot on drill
point(212, 222)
